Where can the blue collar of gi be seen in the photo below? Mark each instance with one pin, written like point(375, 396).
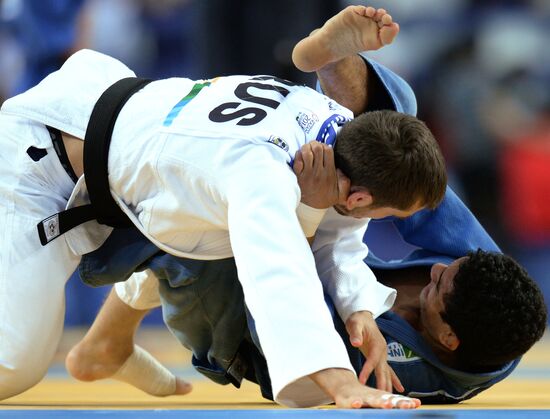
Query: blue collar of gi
point(396, 327)
point(328, 132)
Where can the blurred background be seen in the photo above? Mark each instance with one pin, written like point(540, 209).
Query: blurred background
point(480, 70)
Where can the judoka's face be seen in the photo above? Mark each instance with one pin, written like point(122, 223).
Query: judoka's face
point(432, 304)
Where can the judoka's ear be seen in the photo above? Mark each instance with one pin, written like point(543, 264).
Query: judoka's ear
point(344, 187)
point(449, 339)
point(359, 197)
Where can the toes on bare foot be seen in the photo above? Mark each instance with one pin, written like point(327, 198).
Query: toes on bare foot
point(386, 19)
point(388, 33)
point(360, 10)
point(370, 12)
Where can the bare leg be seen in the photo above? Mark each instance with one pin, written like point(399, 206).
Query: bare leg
point(108, 351)
point(332, 52)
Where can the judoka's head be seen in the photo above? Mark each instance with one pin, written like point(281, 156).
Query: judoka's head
point(393, 162)
point(484, 308)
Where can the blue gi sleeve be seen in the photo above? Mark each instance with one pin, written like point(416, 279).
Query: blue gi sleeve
point(451, 229)
point(399, 91)
point(396, 94)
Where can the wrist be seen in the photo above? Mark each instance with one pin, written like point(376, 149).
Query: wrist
point(363, 314)
point(310, 218)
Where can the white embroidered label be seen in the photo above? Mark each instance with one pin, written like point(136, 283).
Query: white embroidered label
point(278, 141)
point(51, 227)
point(307, 121)
point(400, 353)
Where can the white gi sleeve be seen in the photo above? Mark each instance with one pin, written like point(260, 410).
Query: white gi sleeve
point(339, 252)
point(140, 291)
point(280, 283)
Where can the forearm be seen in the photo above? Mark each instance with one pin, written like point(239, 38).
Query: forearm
point(346, 81)
point(284, 298)
point(339, 253)
point(354, 289)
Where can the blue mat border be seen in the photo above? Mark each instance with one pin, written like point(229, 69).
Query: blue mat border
point(275, 413)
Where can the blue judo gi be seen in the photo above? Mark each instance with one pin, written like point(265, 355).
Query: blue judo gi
point(204, 307)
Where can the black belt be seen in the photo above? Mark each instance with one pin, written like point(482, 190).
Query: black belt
point(102, 207)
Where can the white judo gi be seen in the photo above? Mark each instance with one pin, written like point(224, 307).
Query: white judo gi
point(202, 169)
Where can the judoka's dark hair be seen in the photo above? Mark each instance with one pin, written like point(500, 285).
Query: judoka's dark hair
point(496, 310)
point(395, 156)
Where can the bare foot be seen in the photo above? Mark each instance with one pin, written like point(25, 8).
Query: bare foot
point(95, 360)
point(353, 30)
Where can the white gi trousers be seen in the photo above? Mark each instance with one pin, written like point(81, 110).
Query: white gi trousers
point(32, 276)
